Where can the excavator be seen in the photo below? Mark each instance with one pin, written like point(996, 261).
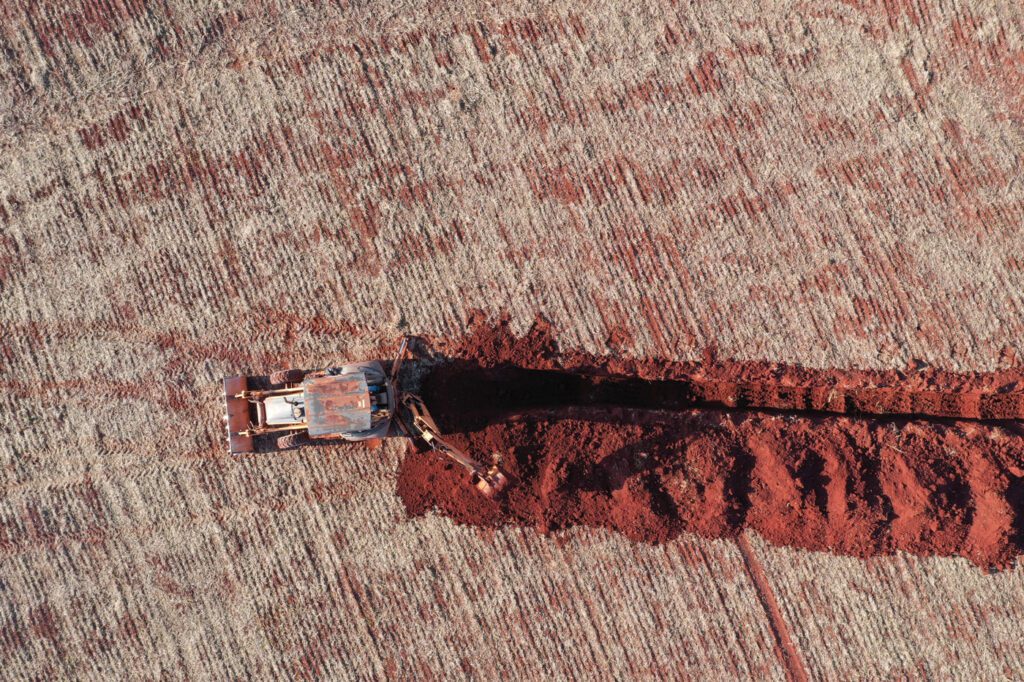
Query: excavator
point(355, 402)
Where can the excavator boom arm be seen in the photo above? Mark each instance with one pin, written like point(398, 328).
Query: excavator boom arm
point(418, 424)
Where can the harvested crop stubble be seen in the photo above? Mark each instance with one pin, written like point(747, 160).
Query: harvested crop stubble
point(631, 455)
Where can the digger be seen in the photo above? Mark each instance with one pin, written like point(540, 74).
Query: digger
point(355, 402)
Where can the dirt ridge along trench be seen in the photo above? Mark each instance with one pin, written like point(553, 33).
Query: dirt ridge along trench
point(855, 462)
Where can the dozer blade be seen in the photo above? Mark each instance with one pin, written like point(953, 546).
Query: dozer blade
point(237, 415)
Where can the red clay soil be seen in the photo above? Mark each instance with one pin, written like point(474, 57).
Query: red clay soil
point(651, 449)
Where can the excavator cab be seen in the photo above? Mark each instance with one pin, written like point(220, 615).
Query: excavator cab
point(356, 402)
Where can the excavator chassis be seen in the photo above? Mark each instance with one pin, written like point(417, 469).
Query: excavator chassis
point(356, 402)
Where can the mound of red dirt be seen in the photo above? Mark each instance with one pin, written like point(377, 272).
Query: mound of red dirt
point(652, 449)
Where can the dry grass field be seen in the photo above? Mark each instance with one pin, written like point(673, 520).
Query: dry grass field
point(190, 190)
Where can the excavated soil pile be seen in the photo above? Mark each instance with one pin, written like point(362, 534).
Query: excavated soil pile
point(923, 461)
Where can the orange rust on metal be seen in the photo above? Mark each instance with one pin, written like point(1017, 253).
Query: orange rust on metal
point(337, 404)
point(238, 415)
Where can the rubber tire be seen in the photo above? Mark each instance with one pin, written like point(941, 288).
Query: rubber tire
point(287, 376)
point(293, 440)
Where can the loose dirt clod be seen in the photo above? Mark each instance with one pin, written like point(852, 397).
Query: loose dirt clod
point(859, 463)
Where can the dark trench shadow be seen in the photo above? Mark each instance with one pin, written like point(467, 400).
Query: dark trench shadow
point(464, 396)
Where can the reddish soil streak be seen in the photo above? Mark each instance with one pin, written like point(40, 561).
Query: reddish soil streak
point(652, 449)
point(787, 653)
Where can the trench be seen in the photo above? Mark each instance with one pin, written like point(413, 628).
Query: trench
point(715, 449)
point(465, 395)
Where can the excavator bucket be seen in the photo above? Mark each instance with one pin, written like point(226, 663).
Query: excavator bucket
point(492, 483)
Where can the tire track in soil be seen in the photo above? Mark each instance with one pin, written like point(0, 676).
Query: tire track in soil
point(787, 652)
point(925, 462)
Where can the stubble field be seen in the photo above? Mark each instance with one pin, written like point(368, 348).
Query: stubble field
point(192, 190)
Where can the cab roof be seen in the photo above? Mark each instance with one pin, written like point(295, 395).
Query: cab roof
point(337, 404)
